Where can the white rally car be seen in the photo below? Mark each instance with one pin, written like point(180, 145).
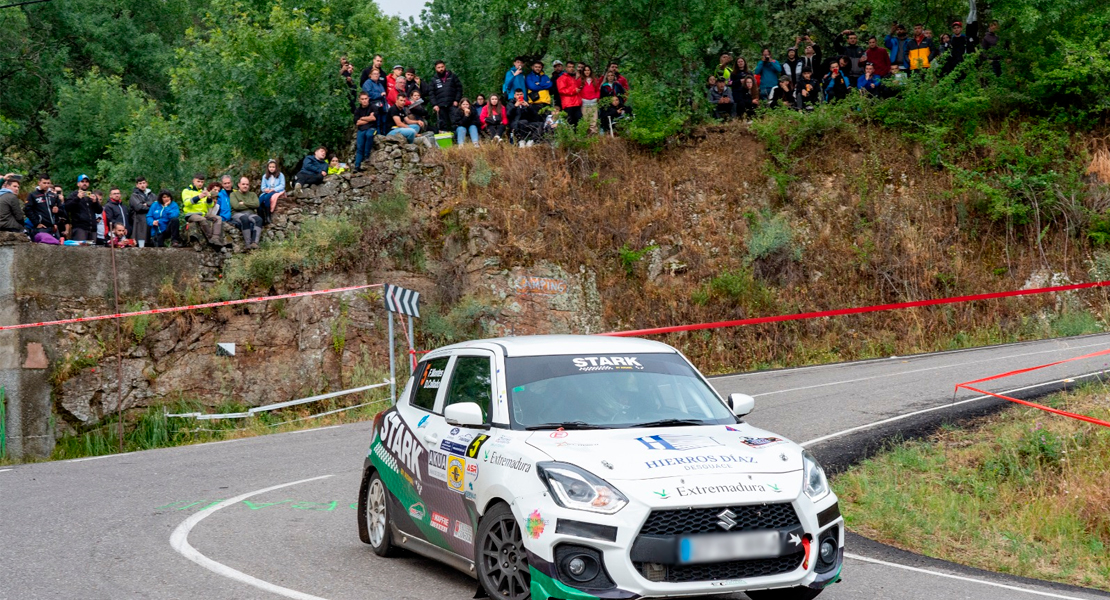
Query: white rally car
point(578, 467)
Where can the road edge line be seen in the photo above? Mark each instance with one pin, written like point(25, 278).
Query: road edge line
point(179, 541)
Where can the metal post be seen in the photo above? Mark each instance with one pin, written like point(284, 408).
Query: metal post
point(119, 353)
point(392, 369)
point(412, 347)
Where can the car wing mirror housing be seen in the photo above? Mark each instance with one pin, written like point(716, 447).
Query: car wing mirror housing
point(741, 404)
point(464, 414)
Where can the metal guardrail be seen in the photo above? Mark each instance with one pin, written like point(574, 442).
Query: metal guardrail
point(279, 405)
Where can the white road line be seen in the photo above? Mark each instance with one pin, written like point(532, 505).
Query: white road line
point(2, 470)
point(72, 460)
point(958, 577)
point(180, 542)
point(942, 407)
point(912, 371)
point(315, 429)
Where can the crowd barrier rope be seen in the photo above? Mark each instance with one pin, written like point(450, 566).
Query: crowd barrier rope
point(158, 311)
point(967, 386)
point(855, 311)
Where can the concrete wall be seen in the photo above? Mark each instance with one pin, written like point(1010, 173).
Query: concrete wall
point(34, 280)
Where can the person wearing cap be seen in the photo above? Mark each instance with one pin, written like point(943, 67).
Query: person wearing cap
point(398, 74)
point(514, 77)
point(414, 83)
point(724, 107)
point(868, 83)
point(83, 208)
point(897, 45)
point(11, 213)
point(558, 69)
point(959, 46)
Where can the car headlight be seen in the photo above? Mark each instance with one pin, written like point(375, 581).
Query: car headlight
point(576, 488)
point(816, 484)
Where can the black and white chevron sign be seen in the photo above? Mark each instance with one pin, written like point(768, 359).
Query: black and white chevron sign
point(400, 300)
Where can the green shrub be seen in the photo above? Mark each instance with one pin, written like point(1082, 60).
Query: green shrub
point(735, 288)
point(629, 257)
point(463, 321)
point(480, 173)
point(658, 115)
point(771, 235)
point(322, 243)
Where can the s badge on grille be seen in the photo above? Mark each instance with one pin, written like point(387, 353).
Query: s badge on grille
point(727, 519)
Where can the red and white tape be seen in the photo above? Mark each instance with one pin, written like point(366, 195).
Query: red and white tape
point(967, 386)
point(158, 311)
point(855, 311)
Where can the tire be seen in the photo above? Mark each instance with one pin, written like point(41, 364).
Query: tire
point(374, 520)
point(502, 561)
point(794, 593)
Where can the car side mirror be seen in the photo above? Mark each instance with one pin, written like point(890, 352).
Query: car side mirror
point(741, 404)
point(464, 414)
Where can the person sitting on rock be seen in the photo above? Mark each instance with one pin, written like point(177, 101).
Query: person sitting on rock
point(313, 169)
point(201, 210)
point(335, 167)
point(399, 120)
point(162, 221)
point(244, 204)
point(273, 189)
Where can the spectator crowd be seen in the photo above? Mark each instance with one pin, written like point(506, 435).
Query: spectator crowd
point(527, 109)
point(871, 67)
point(530, 105)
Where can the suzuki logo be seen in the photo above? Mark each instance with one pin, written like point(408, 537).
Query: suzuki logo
point(727, 519)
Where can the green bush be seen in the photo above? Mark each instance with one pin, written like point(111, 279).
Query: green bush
point(322, 243)
point(771, 235)
point(629, 258)
point(658, 114)
point(735, 288)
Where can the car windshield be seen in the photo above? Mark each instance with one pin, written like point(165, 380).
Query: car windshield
point(609, 391)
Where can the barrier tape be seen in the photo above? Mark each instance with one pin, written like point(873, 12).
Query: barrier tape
point(158, 311)
point(967, 386)
point(854, 311)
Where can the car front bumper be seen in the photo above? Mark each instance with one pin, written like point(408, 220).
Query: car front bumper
point(548, 526)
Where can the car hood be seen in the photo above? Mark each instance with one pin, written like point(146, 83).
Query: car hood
point(662, 452)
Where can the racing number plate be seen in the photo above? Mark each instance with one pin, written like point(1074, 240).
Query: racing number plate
point(731, 546)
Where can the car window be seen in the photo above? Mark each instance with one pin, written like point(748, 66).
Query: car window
point(428, 379)
point(609, 391)
point(471, 382)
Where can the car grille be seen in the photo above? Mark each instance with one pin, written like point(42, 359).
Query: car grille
point(737, 569)
point(704, 520)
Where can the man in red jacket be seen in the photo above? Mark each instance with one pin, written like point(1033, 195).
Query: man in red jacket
point(878, 56)
point(570, 94)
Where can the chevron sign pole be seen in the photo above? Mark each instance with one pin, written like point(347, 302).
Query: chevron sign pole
point(405, 302)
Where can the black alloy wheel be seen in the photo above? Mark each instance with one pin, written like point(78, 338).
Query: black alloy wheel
point(502, 559)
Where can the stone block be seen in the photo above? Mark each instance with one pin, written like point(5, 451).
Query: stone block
point(36, 358)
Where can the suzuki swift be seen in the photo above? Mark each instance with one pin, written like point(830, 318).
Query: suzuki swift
point(578, 467)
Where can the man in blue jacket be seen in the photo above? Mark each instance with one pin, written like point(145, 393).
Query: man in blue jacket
point(313, 168)
point(896, 43)
point(768, 71)
point(514, 78)
point(538, 85)
point(223, 200)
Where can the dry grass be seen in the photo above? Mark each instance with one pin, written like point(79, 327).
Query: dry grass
point(872, 226)
point(1025, 492)
point(1100, 165)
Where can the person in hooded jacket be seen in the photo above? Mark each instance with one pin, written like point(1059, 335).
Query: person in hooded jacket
point(493, 118)
point(314, 168)
point(374, 87)
point(538, 86)
point(792, 65)
point(897, 46)
point(783, 94)
point(809, 90)
point(524, 121)
point(11, 209)
point(447, 90)
point(514, 77)
point(852, 50)
point(140, 202)
point(835, 84)
point(615, 110)
point(42, 210)
point(162, 221)
point(115, 212)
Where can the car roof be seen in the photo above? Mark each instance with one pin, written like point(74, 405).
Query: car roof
point(545, 345)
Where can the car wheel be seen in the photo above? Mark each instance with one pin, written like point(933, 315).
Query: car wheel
point(373, 515)
point(794, 593)
point(502, 559)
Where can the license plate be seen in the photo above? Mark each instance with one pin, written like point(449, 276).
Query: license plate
point(731, 546)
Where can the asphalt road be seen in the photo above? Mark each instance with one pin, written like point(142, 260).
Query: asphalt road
point(101, 528)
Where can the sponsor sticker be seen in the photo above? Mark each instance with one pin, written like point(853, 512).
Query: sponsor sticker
point(452, 447)
point(440, 522)
point(464, 532)
point(472, 469)
point(680, 443)
point(416, 511)
point(455, 431)
point(725, 488)
point(503, 439)
point(535, 525)
point(472, 449)
point(423, 422)
point(663, 495)
point(402, 443)
point(702, 462)
point(756, 442)
point(558, 433)
point(431, 378)
point(437, 465)
point(607, 363)
point(456, 473)
point(509, 462)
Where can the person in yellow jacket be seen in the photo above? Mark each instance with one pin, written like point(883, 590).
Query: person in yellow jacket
point(201, 209)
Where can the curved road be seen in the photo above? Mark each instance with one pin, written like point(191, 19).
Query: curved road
point(101, 528)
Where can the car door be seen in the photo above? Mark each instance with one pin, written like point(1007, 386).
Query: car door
point(415, 411)
point(454, 452)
